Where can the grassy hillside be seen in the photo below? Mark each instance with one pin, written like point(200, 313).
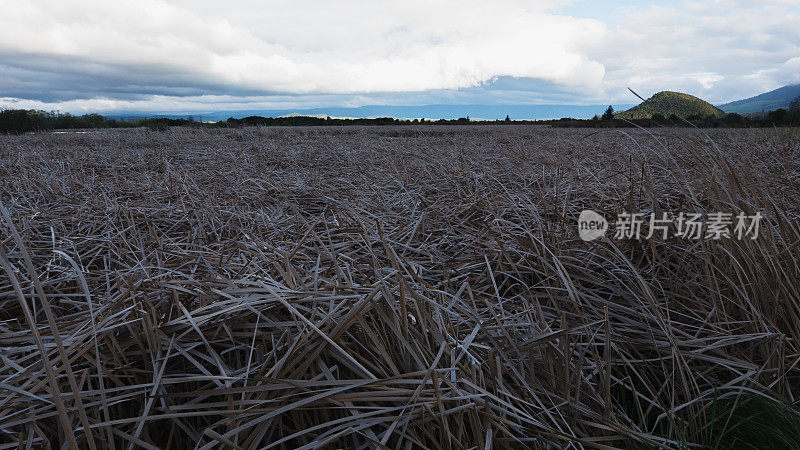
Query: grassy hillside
point(768, 101)
point(667, 103)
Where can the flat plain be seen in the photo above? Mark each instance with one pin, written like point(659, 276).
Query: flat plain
point(411, 286)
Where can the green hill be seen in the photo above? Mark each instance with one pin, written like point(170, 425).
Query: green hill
point(768, 101)
point(667, 103)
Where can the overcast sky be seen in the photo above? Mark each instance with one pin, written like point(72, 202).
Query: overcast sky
point(203, 55)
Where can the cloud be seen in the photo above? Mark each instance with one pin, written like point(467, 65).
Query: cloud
point(194, 55)
point(789, 71)
point(504, 90)
point(720, 50)
point(276, 47)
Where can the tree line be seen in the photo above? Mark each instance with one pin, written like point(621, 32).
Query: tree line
point(22, 121)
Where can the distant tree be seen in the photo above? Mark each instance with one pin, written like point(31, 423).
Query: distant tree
point(778, 117)
point(596, 117)
point(93, 120)
point(609, 114)
point(794, 112)
point(508, 119)
point(733, 118)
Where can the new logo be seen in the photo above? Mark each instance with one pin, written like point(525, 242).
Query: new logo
point(591, 225)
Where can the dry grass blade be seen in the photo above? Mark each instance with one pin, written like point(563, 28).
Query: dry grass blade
point(393, 287)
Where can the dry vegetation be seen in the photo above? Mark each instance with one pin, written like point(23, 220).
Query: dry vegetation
point(392, 287)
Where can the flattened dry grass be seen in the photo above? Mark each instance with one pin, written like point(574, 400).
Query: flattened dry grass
point(392, 288)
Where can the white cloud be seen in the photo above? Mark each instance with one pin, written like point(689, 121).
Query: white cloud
point(789, 70)
point(720, 50)
point(319, 46)
point(203, 54)
point(157, 103)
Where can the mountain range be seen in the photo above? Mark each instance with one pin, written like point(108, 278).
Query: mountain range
point(768, 101)
point(483, 112)
point(664, 103)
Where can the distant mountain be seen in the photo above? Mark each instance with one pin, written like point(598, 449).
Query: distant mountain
point(435, 112)
point(768, 101)
point(667, 103)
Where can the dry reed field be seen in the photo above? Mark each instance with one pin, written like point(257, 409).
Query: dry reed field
point(394, 287)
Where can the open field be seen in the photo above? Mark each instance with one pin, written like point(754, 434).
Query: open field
point(394, 287)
